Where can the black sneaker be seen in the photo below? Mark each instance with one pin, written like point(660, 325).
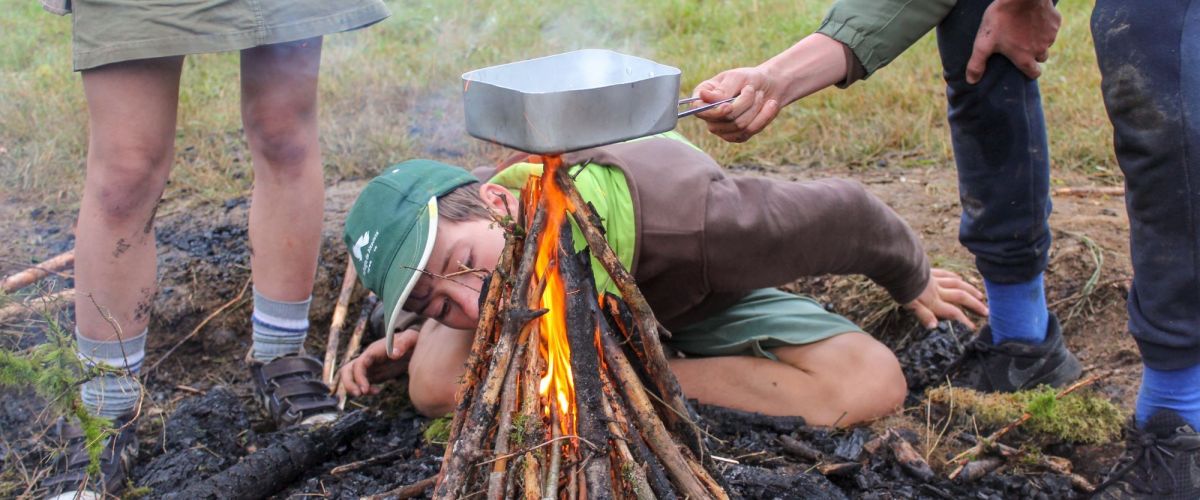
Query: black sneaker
point(1161, 461)
point(291, 389)
point(1014, 366)
point(71, 480)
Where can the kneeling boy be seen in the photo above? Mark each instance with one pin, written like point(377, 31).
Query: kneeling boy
point(706, 249)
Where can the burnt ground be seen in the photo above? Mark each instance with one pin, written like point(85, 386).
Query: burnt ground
point(200, 417)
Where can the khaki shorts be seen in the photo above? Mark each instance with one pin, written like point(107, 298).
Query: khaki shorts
point(109, 31)
point(765, 319)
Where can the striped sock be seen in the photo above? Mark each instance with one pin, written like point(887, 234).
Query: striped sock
point(111, 395)
point(279, 327)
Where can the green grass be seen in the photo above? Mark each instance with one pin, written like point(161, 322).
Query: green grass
point(391, 92)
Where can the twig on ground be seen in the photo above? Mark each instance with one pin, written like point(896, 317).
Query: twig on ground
point(1090, 191)
point(352, 466)
point(408, 491)
point(33, 274)
point(236, 300)
point(349, 279)
point(44, 305)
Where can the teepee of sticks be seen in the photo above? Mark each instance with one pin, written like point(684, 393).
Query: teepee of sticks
point(567, 393)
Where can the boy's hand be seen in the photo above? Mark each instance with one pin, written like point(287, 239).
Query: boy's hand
point(945, 297)
point(374, 365)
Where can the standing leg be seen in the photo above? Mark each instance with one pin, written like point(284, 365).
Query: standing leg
point(1000, 147)
point(279, 111)
point(131, 122)
point(1152, 92)
point(1149, 57)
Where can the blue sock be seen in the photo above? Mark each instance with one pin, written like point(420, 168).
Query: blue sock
point(1177, 390)
point(1017, 311)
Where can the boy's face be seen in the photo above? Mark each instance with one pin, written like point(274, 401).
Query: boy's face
point(463, 254)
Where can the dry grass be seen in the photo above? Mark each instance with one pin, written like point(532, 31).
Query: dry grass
point(391, 92)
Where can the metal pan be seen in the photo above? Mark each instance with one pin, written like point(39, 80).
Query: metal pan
point(571, 101)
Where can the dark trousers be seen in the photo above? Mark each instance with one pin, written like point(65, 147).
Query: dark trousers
point(1149, 56)
point(999, 139)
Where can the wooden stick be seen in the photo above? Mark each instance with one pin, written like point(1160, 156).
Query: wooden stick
point(653, 469)
point(531, 410)
point(1090, 191)
point(204, 322)
point(651, 427)
point(556, 451)
point(353, 466)
point(639, 485)
point(405, 492)
point(963, 458)
point(911, 461)
point(349, 279)
point(42, 305)
point(663, 379)
point(352, 348)
point(34, 274)
point(508, 405)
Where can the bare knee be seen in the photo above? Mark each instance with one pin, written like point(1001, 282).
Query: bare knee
point(127, 179)
point(877, 376)
point(858, 378)
point(432, 396)
point(284, 137)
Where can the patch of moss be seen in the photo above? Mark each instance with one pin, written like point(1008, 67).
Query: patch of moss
point(438, 430)
point(1079, 417)
point(517, 435)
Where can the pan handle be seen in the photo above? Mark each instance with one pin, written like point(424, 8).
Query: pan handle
point(703, 108)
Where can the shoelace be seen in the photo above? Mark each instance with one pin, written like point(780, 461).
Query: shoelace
point(1149, 452)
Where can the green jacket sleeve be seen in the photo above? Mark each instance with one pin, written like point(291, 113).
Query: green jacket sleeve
point(880, 30)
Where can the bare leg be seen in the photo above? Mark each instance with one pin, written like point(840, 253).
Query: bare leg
point(279, 111)
point(131, 121)
point(436, 367)
point(845, 379)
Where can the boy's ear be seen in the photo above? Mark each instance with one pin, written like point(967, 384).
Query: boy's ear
point(498, 198)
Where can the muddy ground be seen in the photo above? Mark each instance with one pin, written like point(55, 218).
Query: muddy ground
point(200, 418)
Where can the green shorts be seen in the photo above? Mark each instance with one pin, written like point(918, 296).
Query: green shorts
point(765, 319)
point(110, 31)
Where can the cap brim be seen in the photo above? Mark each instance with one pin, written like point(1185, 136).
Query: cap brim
point(401, 278)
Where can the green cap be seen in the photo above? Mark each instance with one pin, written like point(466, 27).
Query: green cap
point(391, 228)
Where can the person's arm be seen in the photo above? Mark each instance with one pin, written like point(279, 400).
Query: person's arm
point(763, 232)
point(856, 38)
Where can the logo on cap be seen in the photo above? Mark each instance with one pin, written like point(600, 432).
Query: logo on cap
point(364, 241)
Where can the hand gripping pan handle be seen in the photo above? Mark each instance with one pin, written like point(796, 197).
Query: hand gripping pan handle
point(703, 108)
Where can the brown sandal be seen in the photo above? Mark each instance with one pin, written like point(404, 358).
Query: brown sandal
point(292, 391)
point(71, 479)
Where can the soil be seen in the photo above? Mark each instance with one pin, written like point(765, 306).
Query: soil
point(200, 417)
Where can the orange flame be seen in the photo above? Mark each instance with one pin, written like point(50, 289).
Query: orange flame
point(557, 387)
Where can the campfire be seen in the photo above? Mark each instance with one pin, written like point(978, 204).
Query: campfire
point(567, 393)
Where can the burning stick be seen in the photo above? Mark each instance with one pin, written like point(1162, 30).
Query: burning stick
point(349, 279)
point(33, 274)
